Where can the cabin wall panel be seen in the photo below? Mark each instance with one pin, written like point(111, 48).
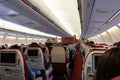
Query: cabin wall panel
point(97, 39)
point(20, 41)
point(36, 40)
point(115, 34)
point(9, 40)
point(43, 41)
point(29, 40)
point(1, 38)
point(107, 38)
point(100, 39)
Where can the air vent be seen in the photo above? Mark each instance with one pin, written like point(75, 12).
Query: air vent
point(12, 13)
point(30, 22)
point(103, 11)
point(95, 21)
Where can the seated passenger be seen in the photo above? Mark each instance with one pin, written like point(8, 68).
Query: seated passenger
point(31, 75)
point(91, 43)
point(72, 56)
point(70, 65)
point(109, 65)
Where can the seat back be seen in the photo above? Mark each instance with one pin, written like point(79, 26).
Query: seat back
point(35, 58)
point(90, 64)
point(37, 63)
point(58, 58)
point(58, 55)
point(93, 48)
point(12, 65)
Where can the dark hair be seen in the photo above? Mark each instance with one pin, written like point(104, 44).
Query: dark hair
point(2, 47)
point(34, 44)
point(15, 47)
point(115, 44)
point(108, 65)
point(91, 42)
point(118, 44)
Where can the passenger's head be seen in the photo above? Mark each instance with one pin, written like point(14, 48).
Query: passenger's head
point(115, 44)
point(91, 43)
point(108, 65)
point(15, 47)
point(118, 44)
point(2, 47)
point(34, 44)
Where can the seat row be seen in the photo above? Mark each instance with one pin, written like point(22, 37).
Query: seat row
point(15, 64)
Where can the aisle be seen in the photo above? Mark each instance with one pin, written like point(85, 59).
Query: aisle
point(77, 71)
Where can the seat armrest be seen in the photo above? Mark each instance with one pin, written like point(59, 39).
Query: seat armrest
point(49, 74)
point(39, 78)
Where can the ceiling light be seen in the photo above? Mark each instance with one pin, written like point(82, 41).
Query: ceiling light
point(63, 13)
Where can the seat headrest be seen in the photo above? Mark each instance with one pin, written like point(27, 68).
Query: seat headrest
point(34, 45)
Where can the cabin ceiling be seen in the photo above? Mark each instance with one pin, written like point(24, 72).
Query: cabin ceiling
point(16, 11)
point(99, 15)
point(96, 16)
point(62, 12)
